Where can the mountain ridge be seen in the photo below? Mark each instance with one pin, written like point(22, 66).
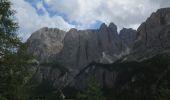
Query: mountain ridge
point(76, 49)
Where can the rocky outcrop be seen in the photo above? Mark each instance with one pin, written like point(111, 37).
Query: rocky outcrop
point(128, 36)
point(68, 59)
point(153, 36)
point(46, 42)
point(84, 46)
point(139, 80)
point(152, 39)
point(103, 75)
point(75, 49)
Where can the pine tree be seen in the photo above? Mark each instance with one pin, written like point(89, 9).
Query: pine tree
point(164, 94)
point(13, 57)
point(9, 41)
point(92, 92)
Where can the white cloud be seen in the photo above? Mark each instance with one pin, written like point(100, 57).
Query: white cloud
point(164, 3)
point(124, 13)
point(29, 21)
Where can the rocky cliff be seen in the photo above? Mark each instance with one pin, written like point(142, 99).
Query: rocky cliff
point(75, 49)
point(46, 42)
point(78, 51)
point(153, 36)
point(128, 36)
point(130, 80)
point(152, 39)
point(84, 46)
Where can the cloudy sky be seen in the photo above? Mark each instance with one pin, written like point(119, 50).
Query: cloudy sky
point(82, 14)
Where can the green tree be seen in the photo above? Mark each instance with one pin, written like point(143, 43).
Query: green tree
point(92, 92)
point(9, 41)
point(13, 56)
point(164, 94)
point(2, 98)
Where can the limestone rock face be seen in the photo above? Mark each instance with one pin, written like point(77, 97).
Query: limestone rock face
point(84, 46)
point(45, 43)
point(74, 49)
point(128, 36)
point(123, 76)
point(105, 77)
point(153, 36)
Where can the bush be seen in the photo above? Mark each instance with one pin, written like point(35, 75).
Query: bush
point(164, 94)
point(92, 92)
point(3, 98)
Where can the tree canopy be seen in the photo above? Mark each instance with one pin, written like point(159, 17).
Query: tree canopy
point(13, 56)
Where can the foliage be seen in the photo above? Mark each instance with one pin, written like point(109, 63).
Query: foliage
point(3, 98)
point(9, 42)
point(93, 91)
point(13, 56)
point(55, 65)
point(164, 94)
point(44, 90)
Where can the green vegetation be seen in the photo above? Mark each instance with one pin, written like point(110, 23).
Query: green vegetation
point(2, 98)
point(138, 80)
point(13, 58)
point(92, 92)
point(44, 90)
point(164, 94)
point(145, 80)
point(56, 65)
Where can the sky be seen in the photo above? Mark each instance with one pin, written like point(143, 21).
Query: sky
point(32, 15)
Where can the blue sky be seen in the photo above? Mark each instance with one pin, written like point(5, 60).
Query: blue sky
point(82, 14)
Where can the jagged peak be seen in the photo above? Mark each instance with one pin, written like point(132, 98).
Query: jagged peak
point(49, 29)
point(127, 29)
point(112, 26)
point(45, 31)
point(73, 30)
point(163, 10)
point(44, 28)
point(103, 26)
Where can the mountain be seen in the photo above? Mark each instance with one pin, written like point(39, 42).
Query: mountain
point(144, 71)
point(45, 42)
point(153, 36)
point(128, 36)
point(80, 45)
point(76, 49)
point(126, 63)
point(84, 46)
point(131, 80)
